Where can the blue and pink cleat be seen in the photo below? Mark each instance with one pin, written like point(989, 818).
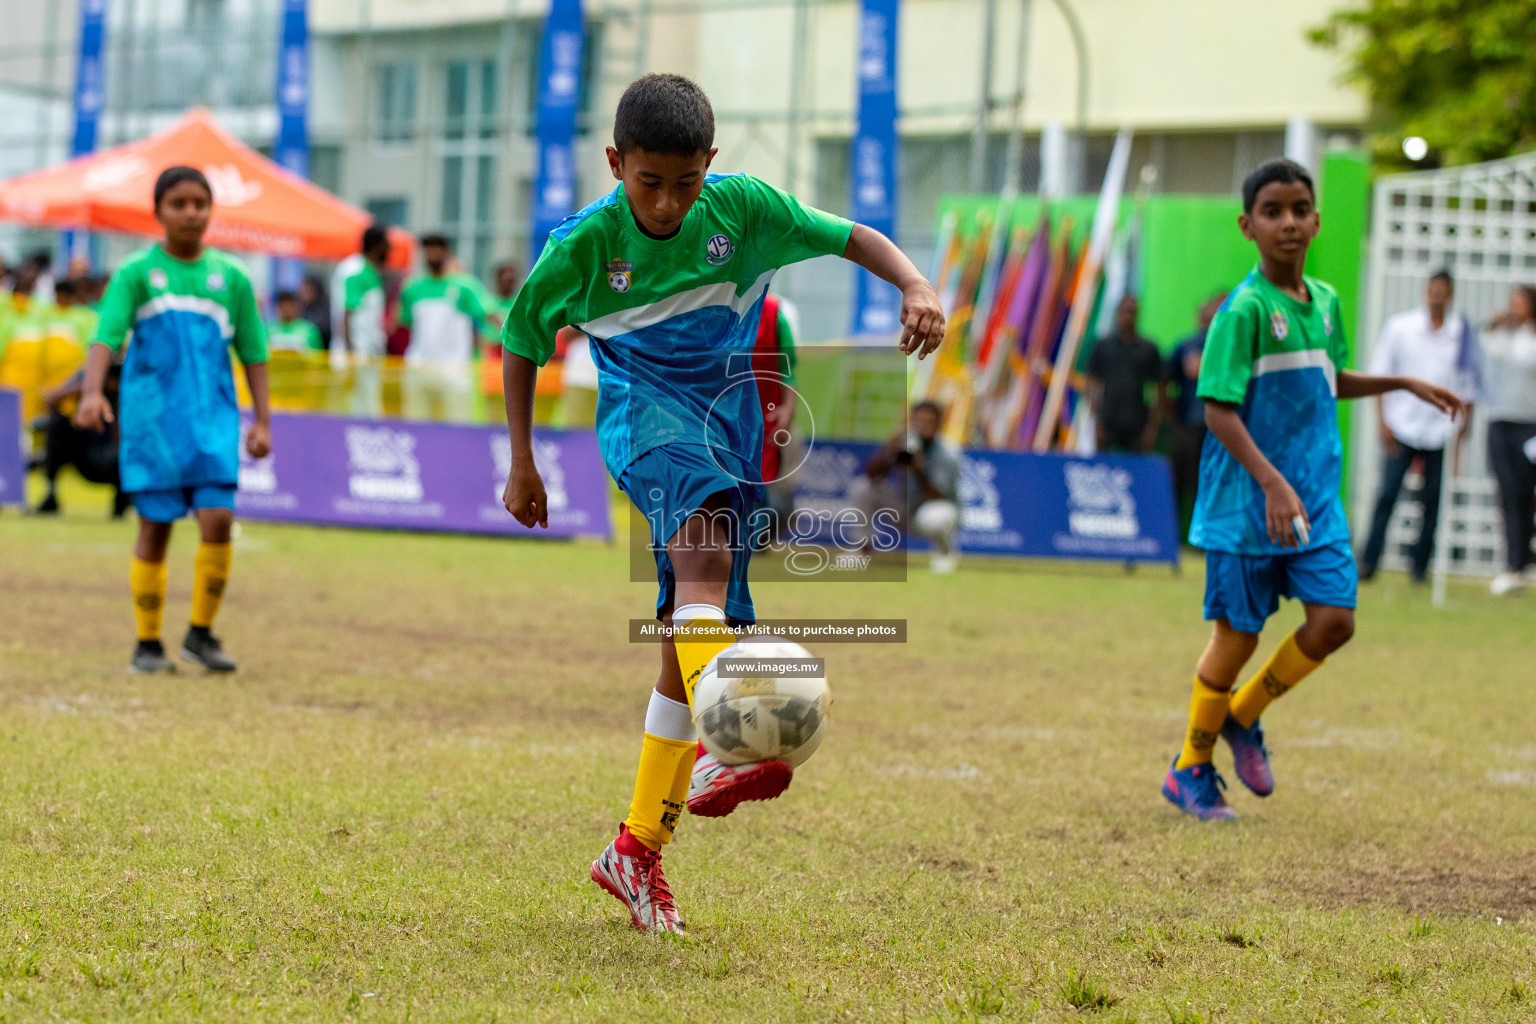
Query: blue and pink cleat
point(1197, 790)
point(1250, 758)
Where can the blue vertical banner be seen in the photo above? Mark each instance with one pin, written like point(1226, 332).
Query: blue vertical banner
point(90, 84)
point(877, 305)
point(560, 55)
point(292, 149)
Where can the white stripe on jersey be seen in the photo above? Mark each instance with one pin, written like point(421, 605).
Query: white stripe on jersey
point(1299, 361)
point(187, 304)
point(636, 318)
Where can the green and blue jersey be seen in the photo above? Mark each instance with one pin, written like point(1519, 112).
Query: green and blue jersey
point(673, 321)
point(178, 419)
point(1277, 359)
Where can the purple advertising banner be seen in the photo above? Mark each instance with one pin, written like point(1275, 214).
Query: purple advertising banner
point(13, 466)
point(1112, 507)
point(398, 474)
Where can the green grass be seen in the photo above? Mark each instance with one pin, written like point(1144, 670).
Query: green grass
point(388, 814)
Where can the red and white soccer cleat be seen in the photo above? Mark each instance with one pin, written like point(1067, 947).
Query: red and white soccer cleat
point(715, 788)
point(635, 879)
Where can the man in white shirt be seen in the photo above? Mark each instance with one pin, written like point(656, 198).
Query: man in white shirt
point(442, 308)
point(1440, 347)
point(357, 320)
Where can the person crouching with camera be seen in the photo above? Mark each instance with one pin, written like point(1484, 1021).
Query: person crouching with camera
point(915, 477)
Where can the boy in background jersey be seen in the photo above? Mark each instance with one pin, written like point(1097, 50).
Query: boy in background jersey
point(180, 427)
point(1269, 514)
point(666, 276)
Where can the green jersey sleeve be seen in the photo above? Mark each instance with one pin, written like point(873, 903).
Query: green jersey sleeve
point(354, 288)
point(542, 307)
point(470, 305)
point(1227, 363)
point(789, 231)
point(250, 333)
point(407, 301)
point(125, 294)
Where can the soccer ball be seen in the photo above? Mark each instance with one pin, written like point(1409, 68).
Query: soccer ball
point(759, 716)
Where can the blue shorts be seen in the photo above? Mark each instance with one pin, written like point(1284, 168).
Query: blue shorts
point(1246, 589)
point(170, 504)
point(669, 484)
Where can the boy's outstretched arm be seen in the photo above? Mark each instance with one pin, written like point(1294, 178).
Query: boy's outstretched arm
point(1281, 504)
point(524, 496)
point(1363, 385)
point(922, 318)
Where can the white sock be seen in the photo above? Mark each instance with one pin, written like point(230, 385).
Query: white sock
point(669, 719)
point(688, 612)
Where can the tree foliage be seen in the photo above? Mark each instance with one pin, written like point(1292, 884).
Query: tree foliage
point(1459, 73)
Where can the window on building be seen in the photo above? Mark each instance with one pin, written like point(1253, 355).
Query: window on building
point(392, 211)
point(396, 94)
point(467, 184)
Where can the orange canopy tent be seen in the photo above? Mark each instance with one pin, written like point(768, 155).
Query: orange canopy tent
point(258, 206)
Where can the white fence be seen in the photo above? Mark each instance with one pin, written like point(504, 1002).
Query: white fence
point(1478, 222)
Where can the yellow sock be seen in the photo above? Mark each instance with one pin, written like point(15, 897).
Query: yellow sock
point(661, 786)
point(708, 636)
point(1207, 710)
point(210, 571)
point(147, 582)
point(1284, 669)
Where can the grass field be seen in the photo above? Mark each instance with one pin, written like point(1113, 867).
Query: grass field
point(388, 814)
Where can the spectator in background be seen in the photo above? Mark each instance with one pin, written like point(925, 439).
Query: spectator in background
point(1509, 389)
point(93, 453)
point(1430, 344)
point(504, 290)
point(916, 475)
point(446, 320)
point(1120, 369)
point(315, 306)
point(357, 319)
point(1187, 411)
point(291, 332)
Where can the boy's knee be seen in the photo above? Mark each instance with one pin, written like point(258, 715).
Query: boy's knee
point(1327, 631)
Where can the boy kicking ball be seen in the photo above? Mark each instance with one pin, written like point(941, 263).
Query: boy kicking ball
point(666, 275)
point(1269, 515)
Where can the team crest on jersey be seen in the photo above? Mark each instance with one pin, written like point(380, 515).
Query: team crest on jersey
point(215, 282)
point(1278, 325)
point(157, 278)
point(1327, 325)
point(719, 250)
point(621, 275)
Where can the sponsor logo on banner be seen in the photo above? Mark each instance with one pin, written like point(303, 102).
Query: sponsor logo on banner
point(981, 507)
point(382, 465)
point(547, 459)
point(259, 488)
point(1099, 501)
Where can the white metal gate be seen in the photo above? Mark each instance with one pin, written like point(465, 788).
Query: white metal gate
point(1478, 222)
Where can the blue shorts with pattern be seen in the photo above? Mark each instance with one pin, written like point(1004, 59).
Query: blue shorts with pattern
point(669, 484)
point(1246, 589)
point(172, 503)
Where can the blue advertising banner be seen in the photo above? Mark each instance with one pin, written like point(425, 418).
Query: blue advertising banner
point(13, 465)
point(1112, 507)
point(877, 305)
point(292, 149)
point(90, 85)
point(560, 53)
point(406, 475)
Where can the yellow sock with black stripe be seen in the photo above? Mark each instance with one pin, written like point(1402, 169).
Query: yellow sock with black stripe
point(210, 572)
point(666, 765)
point(146, 580)
point(706, 636)
point(1284, 669)
point(1207, 710)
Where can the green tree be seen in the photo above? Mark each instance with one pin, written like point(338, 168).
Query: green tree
point(1459, 73)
